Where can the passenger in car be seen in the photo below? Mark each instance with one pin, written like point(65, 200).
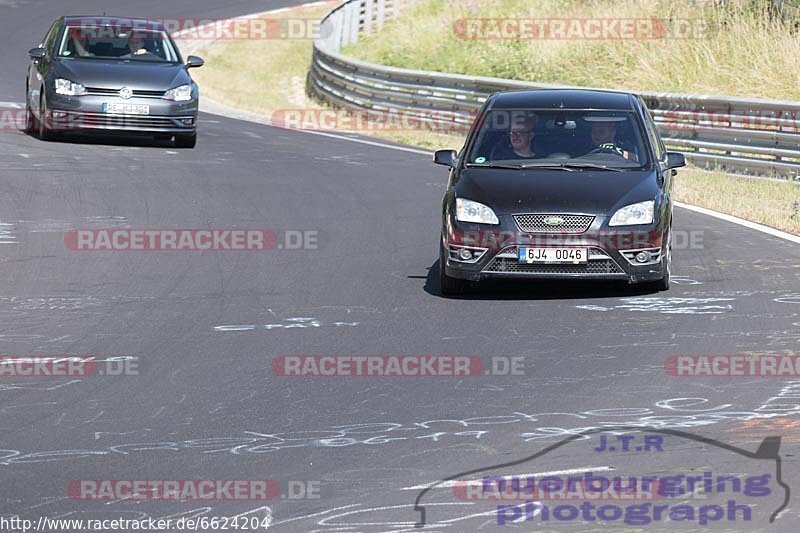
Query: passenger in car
point(518, 144)
point(79, 43)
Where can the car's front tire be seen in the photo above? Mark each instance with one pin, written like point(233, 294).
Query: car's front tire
point(186, 141)
point(30, 119)
point(450, 286)
point(45, 133)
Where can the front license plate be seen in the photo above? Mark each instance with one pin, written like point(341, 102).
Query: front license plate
point(575, 256)
point(126, 109)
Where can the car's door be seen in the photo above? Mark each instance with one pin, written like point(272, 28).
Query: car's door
point(659, 150)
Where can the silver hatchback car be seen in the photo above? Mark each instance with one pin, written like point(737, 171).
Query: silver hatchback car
point(106, 74)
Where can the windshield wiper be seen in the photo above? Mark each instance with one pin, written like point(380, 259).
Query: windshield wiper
point(571, 166)
point(493, 165)
point(549, 166)
point(593, 166)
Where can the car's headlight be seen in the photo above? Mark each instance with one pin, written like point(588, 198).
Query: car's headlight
point(179, 94)
point(469, 211)
point(630, 215)
point(68, 88)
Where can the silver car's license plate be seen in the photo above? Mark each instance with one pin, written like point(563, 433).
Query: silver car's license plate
point(115, 108)
point(574, 256)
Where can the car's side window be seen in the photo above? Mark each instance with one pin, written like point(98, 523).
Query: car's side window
point(48, 34)
point(654, 138)
point(52, 37)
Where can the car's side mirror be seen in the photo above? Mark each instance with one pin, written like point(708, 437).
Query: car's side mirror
point(445, 157)
point(194, 62)
point(675, 160)
point(37, 53)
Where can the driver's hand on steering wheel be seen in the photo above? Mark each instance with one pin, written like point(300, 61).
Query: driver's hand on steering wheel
point(612, 148)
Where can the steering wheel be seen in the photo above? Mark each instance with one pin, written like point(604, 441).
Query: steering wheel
point(608, 148)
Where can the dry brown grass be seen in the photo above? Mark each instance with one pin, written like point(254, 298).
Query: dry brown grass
point(704, 50)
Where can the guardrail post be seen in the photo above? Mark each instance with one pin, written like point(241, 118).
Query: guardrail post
point(368, 5)
point(347, 22)
point(355, 21)
point(381, 14)
point(338, 21)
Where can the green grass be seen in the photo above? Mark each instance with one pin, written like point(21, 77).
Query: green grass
point(255, 74)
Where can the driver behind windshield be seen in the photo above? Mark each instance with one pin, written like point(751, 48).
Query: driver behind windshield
point(136, 45)
point(604, 140)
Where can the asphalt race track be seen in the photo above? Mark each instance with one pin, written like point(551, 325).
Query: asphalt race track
point(206, 325)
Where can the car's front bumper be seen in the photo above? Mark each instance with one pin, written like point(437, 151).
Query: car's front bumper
point(86, 114)
point(610, 254)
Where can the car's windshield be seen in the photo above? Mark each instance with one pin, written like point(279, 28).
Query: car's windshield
point(109, 42)
point(574, 138)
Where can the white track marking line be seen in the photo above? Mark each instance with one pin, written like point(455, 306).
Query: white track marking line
point(362, 141)
point(742, 222)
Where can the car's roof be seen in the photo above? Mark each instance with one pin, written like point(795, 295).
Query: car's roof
point(564, 99)
point(113, 21)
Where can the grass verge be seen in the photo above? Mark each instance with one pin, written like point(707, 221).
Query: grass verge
point(264, 76)
point(772, 203)
point(684, 46)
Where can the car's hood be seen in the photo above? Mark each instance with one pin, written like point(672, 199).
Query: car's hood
point(136, 75)
point(556, 191)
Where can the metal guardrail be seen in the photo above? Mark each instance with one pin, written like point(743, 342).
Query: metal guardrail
point(755, 137)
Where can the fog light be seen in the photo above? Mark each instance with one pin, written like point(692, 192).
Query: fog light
point(463, 254)
point(59, 114)
point(642, 257)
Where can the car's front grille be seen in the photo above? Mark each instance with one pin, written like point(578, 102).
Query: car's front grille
point(553, 223)
point(100, 120)
point(100, 91)
point(150, 94)
point(505, 264)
